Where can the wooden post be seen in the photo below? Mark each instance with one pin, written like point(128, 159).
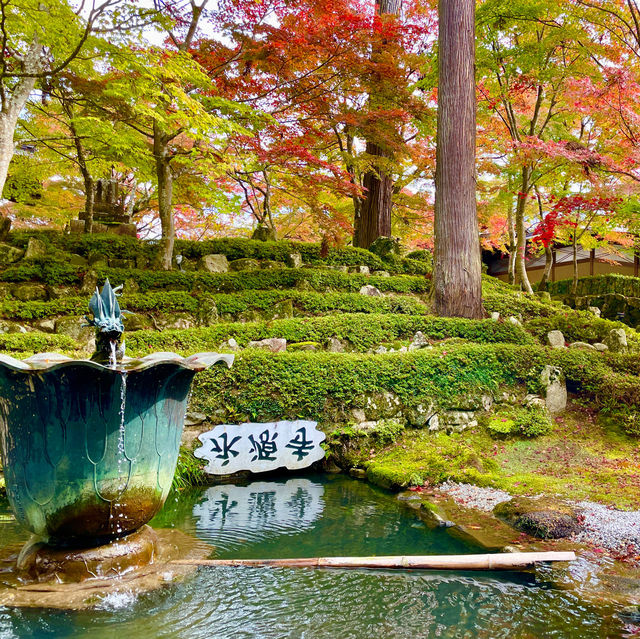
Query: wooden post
point(592, 261)
point(553, 268)
point(498, 561)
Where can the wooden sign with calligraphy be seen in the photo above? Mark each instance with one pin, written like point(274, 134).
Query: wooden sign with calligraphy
point(260, 447)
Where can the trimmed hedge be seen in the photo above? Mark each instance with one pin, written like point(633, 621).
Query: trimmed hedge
point(598, 285)
point(578, 326)
point(506, 300)
point(324, 386)
point(307, 302)
point(56, 273)
point(361, 331)
point(35, 342)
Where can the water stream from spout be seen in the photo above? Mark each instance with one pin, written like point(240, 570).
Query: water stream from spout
point(113, 362)
point(122, 482)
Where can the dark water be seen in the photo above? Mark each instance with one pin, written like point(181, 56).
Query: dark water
point(316, 516)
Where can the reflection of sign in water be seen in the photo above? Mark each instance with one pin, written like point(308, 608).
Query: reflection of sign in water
point(260, 509)
point(260, 447)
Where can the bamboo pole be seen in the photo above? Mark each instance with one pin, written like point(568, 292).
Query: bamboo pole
point(498, 561)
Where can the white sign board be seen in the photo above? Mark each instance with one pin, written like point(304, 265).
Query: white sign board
point(261, 510)
point(260, 447)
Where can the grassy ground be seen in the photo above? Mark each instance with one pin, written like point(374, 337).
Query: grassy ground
point(583, 458)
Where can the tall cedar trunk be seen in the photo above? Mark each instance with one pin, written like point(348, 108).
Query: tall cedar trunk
point(548, 265)
point(165, 192)
point(457, 283)
point(521, 245)
point(373, 218)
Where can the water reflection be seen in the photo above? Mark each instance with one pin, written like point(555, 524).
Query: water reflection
point(231, 516)
point(317, 517)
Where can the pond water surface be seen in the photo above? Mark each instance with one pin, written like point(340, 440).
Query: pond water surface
point(319, 516)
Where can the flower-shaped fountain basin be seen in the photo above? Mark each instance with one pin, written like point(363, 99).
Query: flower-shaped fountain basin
point(89, 451)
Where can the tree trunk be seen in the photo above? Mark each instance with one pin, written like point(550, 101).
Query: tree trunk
point(165, 192)
point(373, 219)
point(574, 284)
point(512, 244)
point(548, 265)
point(375, 212)
point(521, 246)
point(457, 275)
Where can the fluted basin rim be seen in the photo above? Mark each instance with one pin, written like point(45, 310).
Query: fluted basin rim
point(44, 362)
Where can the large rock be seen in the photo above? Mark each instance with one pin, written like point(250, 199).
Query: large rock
point(73, 327)
point(89, 283)
point(455, 421)
point(30, 292)
point(383, 405)
point(419, 416)
point(552, 380)
point(214, 263)
point(595, 310)
point(9, 254)
point(35, 249)
point(334, 345)
point(555, 339)
point(542, 518)
point(364, 270)
point(77, 260)
point(294, 260)
point(244, 264)
point(273, 344)
point(617, 340)
point(419, 341)
point(371, 291)
point(175, 321)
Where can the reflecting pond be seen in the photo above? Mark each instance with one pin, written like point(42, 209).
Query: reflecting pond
point(319, 516)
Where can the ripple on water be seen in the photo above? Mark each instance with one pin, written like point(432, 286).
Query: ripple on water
point(304, 517)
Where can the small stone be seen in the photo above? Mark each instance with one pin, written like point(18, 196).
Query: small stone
point(534, 400)
point(556, 339)
point(194, 419)
point(458, 420)
point(232, 344)
point(515, 321)
point(363, 270)
point(244, 264)
point(582, 346)
point(273, 344)
point(358, 473)
point(213, 263)
point(403, 349)
point(11, 327)
point(552, 379)
point(617, 340)
point(599, 346)
point(382, 273)
point(371, 291)
point(294, 260)
point(434, 423)
point(358, 415)
point(595, 310)
point(46, 325)
point(334, 345)
point(130, 286)
point(35, 248)
point(380, 350)
point(495, 316)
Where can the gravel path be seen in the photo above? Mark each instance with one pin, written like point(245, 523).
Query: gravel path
point(615, 530)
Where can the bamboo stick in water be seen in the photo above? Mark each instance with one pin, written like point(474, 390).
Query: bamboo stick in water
point(498, 561)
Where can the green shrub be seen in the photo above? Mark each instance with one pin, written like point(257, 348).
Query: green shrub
point(533, 421)
point(501, 425)
point(362, 331)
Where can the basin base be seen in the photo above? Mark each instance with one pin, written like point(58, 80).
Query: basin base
point(39, 576)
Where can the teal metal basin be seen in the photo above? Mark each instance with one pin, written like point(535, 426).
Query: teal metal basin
point(89, 451)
